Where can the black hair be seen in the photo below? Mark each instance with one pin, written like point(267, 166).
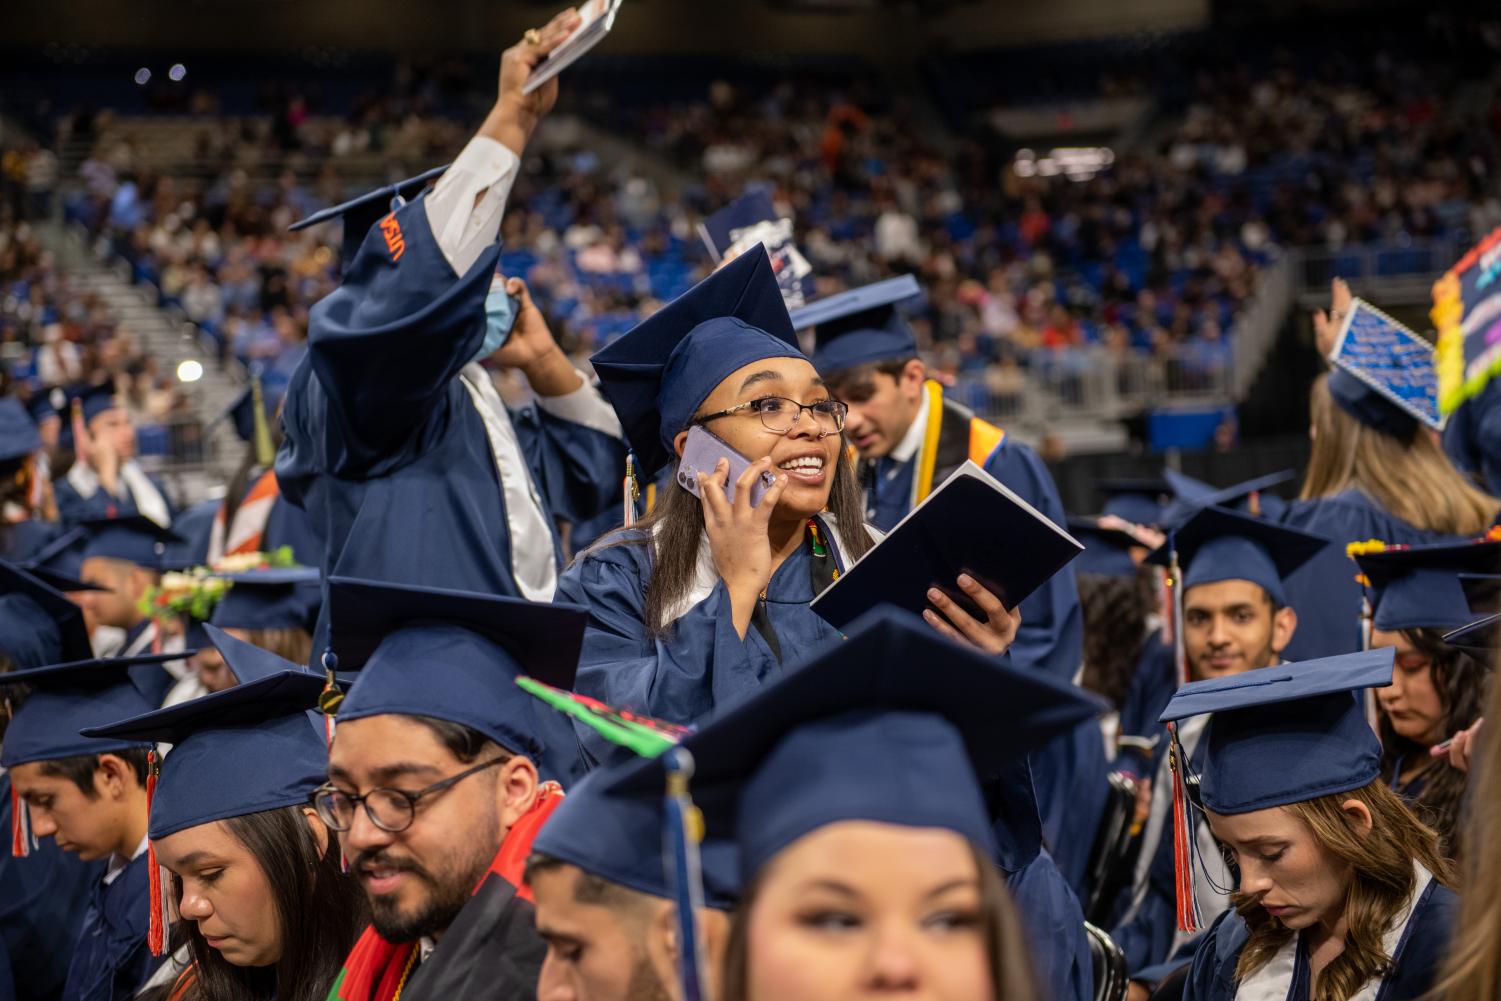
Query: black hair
point(463, 742)
point(1115, 626)
point(80, 768)
point(588, 888)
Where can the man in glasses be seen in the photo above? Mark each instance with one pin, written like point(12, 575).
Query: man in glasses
point(441, 771)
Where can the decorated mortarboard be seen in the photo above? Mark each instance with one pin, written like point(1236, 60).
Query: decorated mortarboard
point(1418, 587)
point(273, 598)
point(857, 734)
point(861, 326)
point(66, 698)
point(659, 374)
point(1482, 592)
point(360, 214)
point(1218, 544)
point(454, 655)
point(18, 434)
point(1465, 313)
point(133, 539)
point(96, 400)
point(1478, 638)
point(39, 625)
point(750, 220)
point(1277, 735)
point(1191, 496)
point(1140, 501)
point(1384, 374)
point(1107, 551)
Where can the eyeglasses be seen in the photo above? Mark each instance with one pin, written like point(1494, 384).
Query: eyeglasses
point(392, 810)
point(781, 415)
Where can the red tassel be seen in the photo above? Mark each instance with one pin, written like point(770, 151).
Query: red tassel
point(156, 930)
point(20, 825)
point(1183, 875)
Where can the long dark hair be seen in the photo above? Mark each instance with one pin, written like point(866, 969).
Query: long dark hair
point(1115, 627)
point(1006, 945)
point(674, 526)
point(1461, 682)
point(321, 911)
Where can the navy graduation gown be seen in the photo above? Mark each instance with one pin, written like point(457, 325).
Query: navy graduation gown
point(700, 664)
point(1324, 591)
point(1152, 686)
point(1415, 963)
point(195, 525)
point(42, 902)
point(112, 959)
point(385, 449)
point(1054, 926)
point(73, 507)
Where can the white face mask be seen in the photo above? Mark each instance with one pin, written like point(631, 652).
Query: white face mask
point(500, 317)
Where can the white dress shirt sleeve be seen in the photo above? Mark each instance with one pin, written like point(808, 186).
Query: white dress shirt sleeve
point(464, 227)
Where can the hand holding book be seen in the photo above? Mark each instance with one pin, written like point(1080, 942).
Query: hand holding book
point(994, 635)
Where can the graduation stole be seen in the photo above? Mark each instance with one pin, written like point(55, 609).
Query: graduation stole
point(984, 438)
point(244, 536)
point(377, 970)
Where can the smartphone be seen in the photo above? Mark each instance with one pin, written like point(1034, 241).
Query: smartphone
point(702, 452)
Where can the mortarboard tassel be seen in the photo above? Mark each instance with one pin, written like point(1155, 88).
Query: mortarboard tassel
point(1173, 608)
point(630, 491)
point(156, 930)
point(1189, 919)
point(328, 702)
point(21, 840)
point(264, 453)
point(685, 827)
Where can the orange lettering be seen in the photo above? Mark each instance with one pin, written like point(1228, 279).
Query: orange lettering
point(395, 243)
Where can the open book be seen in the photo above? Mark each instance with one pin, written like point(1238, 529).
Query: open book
point(971, 524)
point(598, 18)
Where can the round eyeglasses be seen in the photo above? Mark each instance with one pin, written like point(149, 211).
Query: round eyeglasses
point(781, 415)
point(392, 810)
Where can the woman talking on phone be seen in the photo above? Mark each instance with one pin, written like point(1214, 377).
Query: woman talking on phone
point(704, 599)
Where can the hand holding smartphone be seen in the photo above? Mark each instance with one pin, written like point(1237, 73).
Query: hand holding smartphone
point(702, 452)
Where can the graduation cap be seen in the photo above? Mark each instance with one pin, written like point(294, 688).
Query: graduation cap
point(38, 624)
point(659, 374)
point(360, 214)
point(1140, 501)
point(66, 698)
point(1482, 592)
point(454, 655)
point(616, 835)
point(58, 580)
point(1478, 638)
point(857, 734)
point(1418, 587)
point(41, 406)
point(18, 433)
point(251, 413)
point(1278, 735)
point(1107, 551)
point(132, 538)
point(1384, 374)
point(271, 598)
point(1218, 544)
point(96, 400)
point(1191, 495)
point(861, 326)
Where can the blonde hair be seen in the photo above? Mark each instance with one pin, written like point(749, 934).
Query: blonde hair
point(289, 643)
point(1381, 863)
point(1473, 970)
point(1410, 478)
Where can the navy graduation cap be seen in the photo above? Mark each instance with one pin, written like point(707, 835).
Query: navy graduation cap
point(1418, 587)
point(455, 655)
point(241, 411)
point(1140, 501)
point(96, 400)
point(617, 835)
point(133, 539)
point(1478, 638)
point(1191, 496)
point(39, 625)
point(1482, 592)
point(257, 746)
point(272, 598)
point(362, 213)
point(1218, 544)
point(66, 698)
point(18, 434)
point(857, 734)
point(63, 555)
point(659, 374)
point(860, 326)
point(1107, 551)
point(40, 405)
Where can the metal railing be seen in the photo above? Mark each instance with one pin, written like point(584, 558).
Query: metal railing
point(1398, 273)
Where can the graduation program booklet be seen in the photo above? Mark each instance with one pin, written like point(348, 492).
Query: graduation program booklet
point(971, 524)
point(598, 17)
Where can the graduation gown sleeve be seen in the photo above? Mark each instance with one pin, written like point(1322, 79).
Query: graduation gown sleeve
point(699, 664)
point(1152, 685)
point(577, 465)
point(1054, 924)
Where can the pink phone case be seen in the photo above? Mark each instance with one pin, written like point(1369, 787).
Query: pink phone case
point(702, 452)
